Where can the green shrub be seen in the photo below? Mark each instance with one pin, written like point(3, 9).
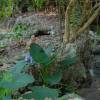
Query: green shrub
point(14, 79)
point(38, 4)
point(6, 8)
point(49, 76)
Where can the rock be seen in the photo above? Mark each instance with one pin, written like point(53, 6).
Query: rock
point(69, 50)
point(40, 22)
point(71, 97)
point(2, 51)
point(96, 50)
point(96, 69)
point(92, 34)
point(1, 64)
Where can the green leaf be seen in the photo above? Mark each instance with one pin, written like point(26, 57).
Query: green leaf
point(68, 61)
point(40, 93)
point(18, 67)
point(23, 79)
point(39, 55)
point(7, 98)
point(5, 77)
point(4, 91)
point(71, 96)
point(53, 79)
point(28, 95)
point(19, 81)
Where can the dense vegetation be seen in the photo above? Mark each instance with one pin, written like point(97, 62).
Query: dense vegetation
point(44, 74)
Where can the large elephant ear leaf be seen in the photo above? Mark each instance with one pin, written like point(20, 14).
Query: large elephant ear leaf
point(40, 93)
point(38, 54)
point(18, 67)
point(54, 78)
point(19, 80)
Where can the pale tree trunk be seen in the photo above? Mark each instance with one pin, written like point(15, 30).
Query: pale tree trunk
point(88, 16)
point(66, 36)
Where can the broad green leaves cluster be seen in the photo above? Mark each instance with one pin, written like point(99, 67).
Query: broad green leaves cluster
point(39, 55)
point(40, 93)
point(49, 74)
point(18, 81)
point(14, 79)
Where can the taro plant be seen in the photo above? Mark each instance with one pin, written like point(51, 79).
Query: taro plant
point(6, 8)
point(45, 79)
point(40, 93)
point(47, 65)
point(14, 79)
point(50, 73)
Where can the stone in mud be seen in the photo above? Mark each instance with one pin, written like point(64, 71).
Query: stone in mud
point(71, 97)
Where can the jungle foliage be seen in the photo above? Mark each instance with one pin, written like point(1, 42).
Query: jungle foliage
point(45, 78)
point(41, 75)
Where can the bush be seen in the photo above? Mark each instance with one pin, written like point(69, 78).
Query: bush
point(43, 80)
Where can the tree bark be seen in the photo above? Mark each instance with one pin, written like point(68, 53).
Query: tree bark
point(86, 25)
point(66, 36)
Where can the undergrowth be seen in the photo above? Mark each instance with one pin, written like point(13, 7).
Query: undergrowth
point(40, 78)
